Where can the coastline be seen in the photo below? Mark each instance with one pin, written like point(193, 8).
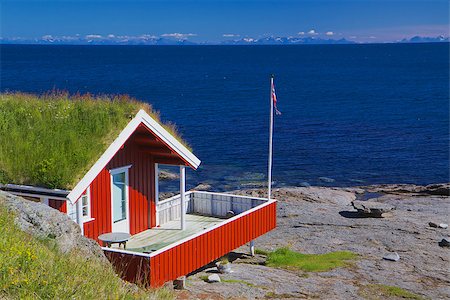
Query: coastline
point(315, 220)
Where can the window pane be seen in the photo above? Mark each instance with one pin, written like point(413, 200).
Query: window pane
point(119, 197)
point(84, 200)
point(85, 212)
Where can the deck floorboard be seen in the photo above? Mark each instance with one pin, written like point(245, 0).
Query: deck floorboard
point(169, 233)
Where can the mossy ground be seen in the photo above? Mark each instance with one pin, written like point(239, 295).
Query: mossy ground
point(52, 140)
point(381, 291)
point(287, 258)
point(35, 269)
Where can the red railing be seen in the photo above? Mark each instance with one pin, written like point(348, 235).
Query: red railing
point(191, 254)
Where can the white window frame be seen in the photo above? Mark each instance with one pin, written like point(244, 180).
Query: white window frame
point(112, 172)
point(88, 217)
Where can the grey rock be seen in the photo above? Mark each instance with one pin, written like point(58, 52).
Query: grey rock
point(315, 225)
point(372, 208)
point(443, 226)
point(202, 187)
point(432, 224)
point(213, 278)
point(326, 179)
point(445, 242)
point(224, 268)
point(440, 189)
point(44, 222)
point(393, 256)
point(166, 175)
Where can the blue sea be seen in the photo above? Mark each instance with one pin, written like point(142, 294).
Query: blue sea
point(351, 114)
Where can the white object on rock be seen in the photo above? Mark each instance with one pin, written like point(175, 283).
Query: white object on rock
point(442, 225)
point(213, 278)
point(393, 256)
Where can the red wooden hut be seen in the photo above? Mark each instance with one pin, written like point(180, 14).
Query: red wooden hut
point(169, 238)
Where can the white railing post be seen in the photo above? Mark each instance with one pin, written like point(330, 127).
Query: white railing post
point(156, 193)
point(183, 196)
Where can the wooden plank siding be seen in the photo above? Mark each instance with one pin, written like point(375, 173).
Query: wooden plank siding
point(200, 250)
point(58, 205)
point(140, 193)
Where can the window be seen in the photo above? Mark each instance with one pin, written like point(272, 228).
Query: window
point(119, 197)
point(86, 204)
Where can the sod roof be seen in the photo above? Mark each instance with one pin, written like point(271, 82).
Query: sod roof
point(52, 140)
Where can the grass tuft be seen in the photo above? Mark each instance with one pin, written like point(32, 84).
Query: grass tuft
point(286, 258)
point(52, 140)
point(261, 252)
point(381, 291)
point(35, 269)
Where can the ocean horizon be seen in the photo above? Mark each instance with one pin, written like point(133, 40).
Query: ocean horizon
point(352, 115)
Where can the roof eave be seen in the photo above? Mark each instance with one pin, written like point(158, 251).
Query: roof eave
point(141, 118)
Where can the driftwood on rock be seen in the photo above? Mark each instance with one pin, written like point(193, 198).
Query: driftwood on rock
point(371, 208)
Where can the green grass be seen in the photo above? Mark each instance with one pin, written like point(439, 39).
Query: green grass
point(381, 291)
point(52, 140)
point(34, 269)
point(286, 258)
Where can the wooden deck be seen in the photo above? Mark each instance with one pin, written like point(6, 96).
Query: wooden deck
point(169, 233)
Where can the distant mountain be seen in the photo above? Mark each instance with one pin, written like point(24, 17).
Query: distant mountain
point(98, 40)
point(422, 39)
point(147, 39)
point(285, 41)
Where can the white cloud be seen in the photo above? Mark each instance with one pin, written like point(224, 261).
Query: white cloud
point(230, 35)
point(111, 36)
point(301, 33)
point(147, 37)
point(177, 35)
point(329, 33)
point(93, 36)
point(47, 37)
point(372, 37)
point(312, 32)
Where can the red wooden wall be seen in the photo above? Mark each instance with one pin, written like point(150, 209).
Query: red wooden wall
point(133, 268)
point(58, 204)
point(199, 251)
point(141, 193)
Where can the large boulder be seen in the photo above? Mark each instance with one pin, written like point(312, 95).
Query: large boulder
point(44, 222)
point(371, 208)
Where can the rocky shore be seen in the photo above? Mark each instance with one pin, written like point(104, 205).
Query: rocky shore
point(399, 248)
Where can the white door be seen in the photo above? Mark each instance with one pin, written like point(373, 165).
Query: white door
point(119, 200)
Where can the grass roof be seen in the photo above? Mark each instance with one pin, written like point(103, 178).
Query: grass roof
point(52, 140)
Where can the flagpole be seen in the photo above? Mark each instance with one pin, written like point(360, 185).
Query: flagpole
point(269, 183)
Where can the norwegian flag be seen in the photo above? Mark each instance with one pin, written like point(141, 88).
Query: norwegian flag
point(274, 99)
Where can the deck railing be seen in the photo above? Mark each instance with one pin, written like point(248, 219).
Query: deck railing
point(254, 217)
point(205, 203)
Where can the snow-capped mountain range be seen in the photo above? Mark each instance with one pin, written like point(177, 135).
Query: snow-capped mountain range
point(180, 39)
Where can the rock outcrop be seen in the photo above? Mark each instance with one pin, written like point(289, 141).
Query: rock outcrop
point(439, 189)
point(44, 222)
point(166, 175)
point(371, 208)
point(320, 220)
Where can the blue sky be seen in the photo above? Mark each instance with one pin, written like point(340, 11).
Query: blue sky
point(214, 20)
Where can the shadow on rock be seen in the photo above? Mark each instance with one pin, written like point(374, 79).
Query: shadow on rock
point(353, 215)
